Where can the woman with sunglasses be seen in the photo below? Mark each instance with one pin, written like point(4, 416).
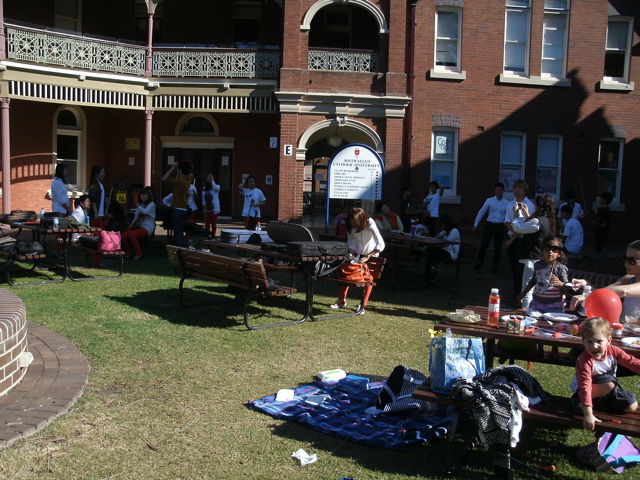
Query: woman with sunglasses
point(627, 287)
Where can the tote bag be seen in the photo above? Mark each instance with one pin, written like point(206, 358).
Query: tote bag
point(451, 358)
point(109, 241)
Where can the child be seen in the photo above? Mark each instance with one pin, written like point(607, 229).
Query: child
point(572, 235)
point(575, 209)
point(595, 383)
point(549, 277)
point(602, 222)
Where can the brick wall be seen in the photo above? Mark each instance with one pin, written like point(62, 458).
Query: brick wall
point(13, 340)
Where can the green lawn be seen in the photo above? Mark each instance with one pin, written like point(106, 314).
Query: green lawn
point(169, 387)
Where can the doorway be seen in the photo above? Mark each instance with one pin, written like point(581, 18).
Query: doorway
point(217, 161)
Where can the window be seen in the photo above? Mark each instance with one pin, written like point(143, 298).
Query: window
point(549, 162)
point(610, 166)
point(516, 41)
point(199, 126)
point(554, 38)
point(67, 15)
point(69, 144)
point(246, 23)
point(618, 50)
point(444, 158)
point(511, 159)
point(448, 28)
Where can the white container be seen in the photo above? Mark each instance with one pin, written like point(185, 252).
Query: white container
point(332, 375)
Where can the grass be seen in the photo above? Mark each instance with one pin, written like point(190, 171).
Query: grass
point(169, 387)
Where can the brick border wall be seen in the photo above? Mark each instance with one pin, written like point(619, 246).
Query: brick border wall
point(13, 340)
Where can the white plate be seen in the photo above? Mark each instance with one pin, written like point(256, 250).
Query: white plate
point(559, 317)
point(631, 341)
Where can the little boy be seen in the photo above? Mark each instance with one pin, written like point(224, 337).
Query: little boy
point(602, 222)
point(575, 208)
point(595, 382)
point(572, 235)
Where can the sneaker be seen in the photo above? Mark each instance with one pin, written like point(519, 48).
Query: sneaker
point(339, 304)
point(575, 406)
point(59, 256)
point(362, 312)
point(137, 257)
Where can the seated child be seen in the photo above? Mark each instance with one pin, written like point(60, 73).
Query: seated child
point(595, 382)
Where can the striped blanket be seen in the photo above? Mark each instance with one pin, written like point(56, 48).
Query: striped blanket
point(344, 415)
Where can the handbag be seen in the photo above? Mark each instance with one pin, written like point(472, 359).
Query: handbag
point(611, 453)
point(25, 247)
point(109, 241)
point(451, 358)
point(354, 272)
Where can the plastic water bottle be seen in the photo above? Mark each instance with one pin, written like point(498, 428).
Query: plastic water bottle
point(585, 291)
point(56, 223)
point(494, 308)
point(258, 226)
point(42, 214)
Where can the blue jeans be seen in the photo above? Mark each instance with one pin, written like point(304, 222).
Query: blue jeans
point(178, 217)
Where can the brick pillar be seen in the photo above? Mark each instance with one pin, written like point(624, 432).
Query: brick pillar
point(291, 171)
point(6, 155)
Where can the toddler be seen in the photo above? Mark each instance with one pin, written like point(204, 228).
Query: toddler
point(595, 383)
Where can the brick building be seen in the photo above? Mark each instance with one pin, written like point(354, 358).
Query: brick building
point(468, 93)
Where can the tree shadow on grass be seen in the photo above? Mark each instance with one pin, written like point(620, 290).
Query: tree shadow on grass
point(211, 306)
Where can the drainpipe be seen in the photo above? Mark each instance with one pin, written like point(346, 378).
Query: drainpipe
point(408, 136)
point(148, 132)
point(6, 152)
point(148, 65)
point(3, 42)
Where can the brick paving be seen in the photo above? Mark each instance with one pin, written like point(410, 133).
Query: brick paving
point(54, 381)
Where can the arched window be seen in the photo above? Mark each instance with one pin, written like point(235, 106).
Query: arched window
point(69, 144)
point(198, 126)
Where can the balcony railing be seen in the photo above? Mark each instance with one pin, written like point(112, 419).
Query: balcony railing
point(222, 63)
point(74, 51)
point(343, 61)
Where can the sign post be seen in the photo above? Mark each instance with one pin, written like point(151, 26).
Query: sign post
point(355, 172)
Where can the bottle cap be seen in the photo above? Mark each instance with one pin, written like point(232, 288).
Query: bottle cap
point(495, 290)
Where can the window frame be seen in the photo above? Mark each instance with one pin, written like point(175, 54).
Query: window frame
point(451, 191)
point(627, 60)
point(558, 166)
point(548, 12)
point(242, 22)
point(513, 6)
point(60, 19)
point(508, 182)
point(78, 131)
point(618, 170)
point(443, 68)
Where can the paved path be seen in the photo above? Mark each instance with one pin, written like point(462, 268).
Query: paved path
point(54, 381)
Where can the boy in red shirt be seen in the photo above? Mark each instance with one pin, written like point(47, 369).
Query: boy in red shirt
point(595, 382)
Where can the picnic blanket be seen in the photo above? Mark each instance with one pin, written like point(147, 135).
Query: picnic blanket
point(344, 415)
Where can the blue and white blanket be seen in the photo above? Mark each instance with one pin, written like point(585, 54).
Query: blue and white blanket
point(344, 415)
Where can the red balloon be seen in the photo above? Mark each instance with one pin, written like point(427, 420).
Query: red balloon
point(603, 303)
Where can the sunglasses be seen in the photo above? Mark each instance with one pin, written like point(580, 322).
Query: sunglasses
point(629, 260)
point(552, 248)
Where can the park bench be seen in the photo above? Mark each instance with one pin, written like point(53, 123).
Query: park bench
point(555, 412)
point(105, 254)
point(248, 278)
point(33, 258)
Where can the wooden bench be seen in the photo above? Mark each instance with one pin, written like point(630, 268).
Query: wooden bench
point(28, 257)
point(555, 412)
point(248, 278)
point(104, 253)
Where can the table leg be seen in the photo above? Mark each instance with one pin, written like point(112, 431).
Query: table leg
point(490, 353)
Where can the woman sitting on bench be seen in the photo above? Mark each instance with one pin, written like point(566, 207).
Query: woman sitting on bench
point(365, 242)
point(143, 225)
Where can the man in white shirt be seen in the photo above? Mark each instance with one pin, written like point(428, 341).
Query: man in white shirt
point(573, 235)
point(576, 208)
point(514, 243)
point(494, 228)
point(432, 205)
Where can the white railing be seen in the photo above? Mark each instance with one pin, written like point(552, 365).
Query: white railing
point(73, 51)
point(216, 63)
point(52, 48)
point(343, 61)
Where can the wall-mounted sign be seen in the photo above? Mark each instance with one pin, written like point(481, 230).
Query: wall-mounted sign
point(355, 172)
point(132, 143)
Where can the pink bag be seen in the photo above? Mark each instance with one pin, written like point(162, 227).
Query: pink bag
point(109, 241)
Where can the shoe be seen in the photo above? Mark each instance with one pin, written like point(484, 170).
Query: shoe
point(477, 266)
point(128, 256)
point(58, 256)
point(361, 312)
point(137, 257)
point(339, 304)
point(575, 406)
